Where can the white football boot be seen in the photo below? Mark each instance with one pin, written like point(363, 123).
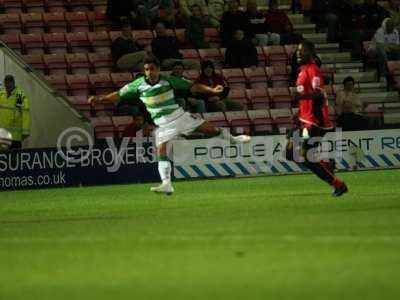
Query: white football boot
point(240, 139)
point(164, 188)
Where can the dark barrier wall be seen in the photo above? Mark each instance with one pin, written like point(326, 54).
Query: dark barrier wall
point(50, 167)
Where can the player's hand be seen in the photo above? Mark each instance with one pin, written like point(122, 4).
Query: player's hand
point(92, 100)
point(218, 89)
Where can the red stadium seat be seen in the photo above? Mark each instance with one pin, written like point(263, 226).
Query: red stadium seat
point(262, 121)
point(121, 79)
point(58, 83)
point(103, 127)
point(290, 50)
point(256, 77)
point(143, 37)
point(33, 43)
point(77, 21)
point(213, 54)
point(101, 62)
point(55, 63)
point(12, 6)
point(56, 42)
point(10, 23)
point(35, 6)
point(259, 98)
point(13, 41)
point(281, 97)
point(78, 42)
point(217, 119)
point(211, 35)
point(99, 21)
point(120, 123)
point(262, 61)
point(235, 78)
point(78, 84)
point(99, 5)
point(100, 41)
point(282, 118)
point(101, 84)
point(190, 54)
point(55, 5)
point(191, 74)
point(239, 121)
point(55, 22)
point(78, 63)
point(78, 5)
point(36, 61)
point(114, 35)
point(239, 95)
point(275, 55)
point(81, 103)
point(278, 75)
point(33, 23)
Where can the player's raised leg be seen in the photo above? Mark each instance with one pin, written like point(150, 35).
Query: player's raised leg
point(165, 169)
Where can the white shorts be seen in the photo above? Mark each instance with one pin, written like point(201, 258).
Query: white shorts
point(185, 124)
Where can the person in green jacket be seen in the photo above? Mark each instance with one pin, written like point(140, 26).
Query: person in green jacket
point(14, 112)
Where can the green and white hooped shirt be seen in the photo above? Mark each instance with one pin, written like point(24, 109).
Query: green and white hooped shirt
point(159, 98)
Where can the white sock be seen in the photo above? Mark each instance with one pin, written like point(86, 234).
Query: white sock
point(164, 168)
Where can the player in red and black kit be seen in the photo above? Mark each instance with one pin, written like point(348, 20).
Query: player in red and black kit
point(313, 115)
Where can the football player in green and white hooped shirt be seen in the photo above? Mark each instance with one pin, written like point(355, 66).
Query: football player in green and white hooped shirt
point(156, 91)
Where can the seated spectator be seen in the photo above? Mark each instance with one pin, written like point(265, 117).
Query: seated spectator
point(394, 11)
point(166, 49)
point(233, 20)
point(260, 28)
point(184, 98)
point(147, 12)
point(216, 9)
point(387, 45)
point(167, 12)
point(241, 53)
point(139, 124)
point(278, 22)
point(349, 107)
point(127, 54)
point(220, 102)
point(195, 25)
point(370, 16)
point(325, 13)
point(185, 7)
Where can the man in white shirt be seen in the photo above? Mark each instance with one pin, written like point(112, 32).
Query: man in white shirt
point(387, 45)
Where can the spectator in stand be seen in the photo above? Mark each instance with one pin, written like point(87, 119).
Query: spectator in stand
point(350, 108)
point(195, 25)
point(127, 54)
point(259, 26)
point(167, 12)
point(216, 9)
point(241, 52)
point(185, 7)
point(121, 11)
point(325, 13)
point(233, 20)
point(279, 23)
point(220, 102)
point(387, 45)
point(166, 48)
point(184, 98)
point(370, 16)
point(394, 11)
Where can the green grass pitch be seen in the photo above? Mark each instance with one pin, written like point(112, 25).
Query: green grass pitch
point(279, 237)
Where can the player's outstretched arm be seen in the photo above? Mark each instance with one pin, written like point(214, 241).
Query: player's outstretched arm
point(110, 98)
point(199, 88)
